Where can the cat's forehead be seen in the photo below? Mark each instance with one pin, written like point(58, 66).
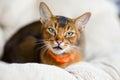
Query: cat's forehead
point(62, 20)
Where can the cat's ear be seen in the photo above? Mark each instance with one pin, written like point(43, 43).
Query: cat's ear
point(45, 12)
point(81, 21)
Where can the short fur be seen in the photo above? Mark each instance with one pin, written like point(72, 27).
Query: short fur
point(58, 34)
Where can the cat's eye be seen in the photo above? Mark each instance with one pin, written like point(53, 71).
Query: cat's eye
point(51, 30)
point(69, 34)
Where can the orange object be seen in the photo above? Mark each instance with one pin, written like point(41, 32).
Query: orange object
point(61, 59)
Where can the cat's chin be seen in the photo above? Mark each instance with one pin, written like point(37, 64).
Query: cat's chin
point(58, 52)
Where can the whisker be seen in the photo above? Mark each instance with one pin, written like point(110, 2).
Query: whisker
point(39, 42)
point(45, 49)
point(74, 47)
point(42, 47)
point(78, 48)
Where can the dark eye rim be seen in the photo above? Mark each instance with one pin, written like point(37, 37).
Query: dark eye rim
point(54, 32)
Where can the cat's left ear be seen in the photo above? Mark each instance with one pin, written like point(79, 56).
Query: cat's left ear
point(45, 12)
point(81, 21)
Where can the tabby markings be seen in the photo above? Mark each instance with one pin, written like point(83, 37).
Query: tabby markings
point(62, 21)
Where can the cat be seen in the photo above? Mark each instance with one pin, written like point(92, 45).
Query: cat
point(53, 40)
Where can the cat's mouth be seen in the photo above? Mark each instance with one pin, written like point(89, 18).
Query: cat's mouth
point(58, 48)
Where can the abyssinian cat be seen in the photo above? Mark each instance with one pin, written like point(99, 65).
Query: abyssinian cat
point(53, 40)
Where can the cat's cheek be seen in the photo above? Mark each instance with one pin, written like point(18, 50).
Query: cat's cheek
point(45, 35)
point(51, 38)
point(48, 36)
point(72, 40)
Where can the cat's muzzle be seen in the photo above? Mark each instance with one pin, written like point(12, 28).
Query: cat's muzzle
point(57, 47)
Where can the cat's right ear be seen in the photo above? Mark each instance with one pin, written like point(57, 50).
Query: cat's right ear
point(45, 12)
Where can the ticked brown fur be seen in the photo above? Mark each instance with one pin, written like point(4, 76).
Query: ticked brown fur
point(58, 34)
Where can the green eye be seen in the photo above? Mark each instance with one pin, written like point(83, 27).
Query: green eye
point(51, 30)
point(69, 34)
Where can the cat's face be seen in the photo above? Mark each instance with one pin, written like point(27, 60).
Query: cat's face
point(60, 34)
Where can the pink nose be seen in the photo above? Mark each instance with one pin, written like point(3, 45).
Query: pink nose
point(59, 42)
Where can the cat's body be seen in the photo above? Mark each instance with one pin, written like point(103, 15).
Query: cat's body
point(21, 47)
point(54, 40)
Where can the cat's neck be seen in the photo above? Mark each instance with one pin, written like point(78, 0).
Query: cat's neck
point(66, 57)
point(62, 61)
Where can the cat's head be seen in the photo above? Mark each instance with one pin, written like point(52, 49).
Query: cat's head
point(59, 33)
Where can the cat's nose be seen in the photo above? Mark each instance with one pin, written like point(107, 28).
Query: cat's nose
point(58, 42)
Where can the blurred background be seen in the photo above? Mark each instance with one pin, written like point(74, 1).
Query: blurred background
point(117, 3)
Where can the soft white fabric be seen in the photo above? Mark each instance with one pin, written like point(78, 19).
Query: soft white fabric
point(32, 71)
point(102, 37)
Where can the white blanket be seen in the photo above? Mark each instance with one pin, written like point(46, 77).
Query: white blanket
point(102, 37)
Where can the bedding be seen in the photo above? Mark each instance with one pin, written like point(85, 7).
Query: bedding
point(102, 40)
